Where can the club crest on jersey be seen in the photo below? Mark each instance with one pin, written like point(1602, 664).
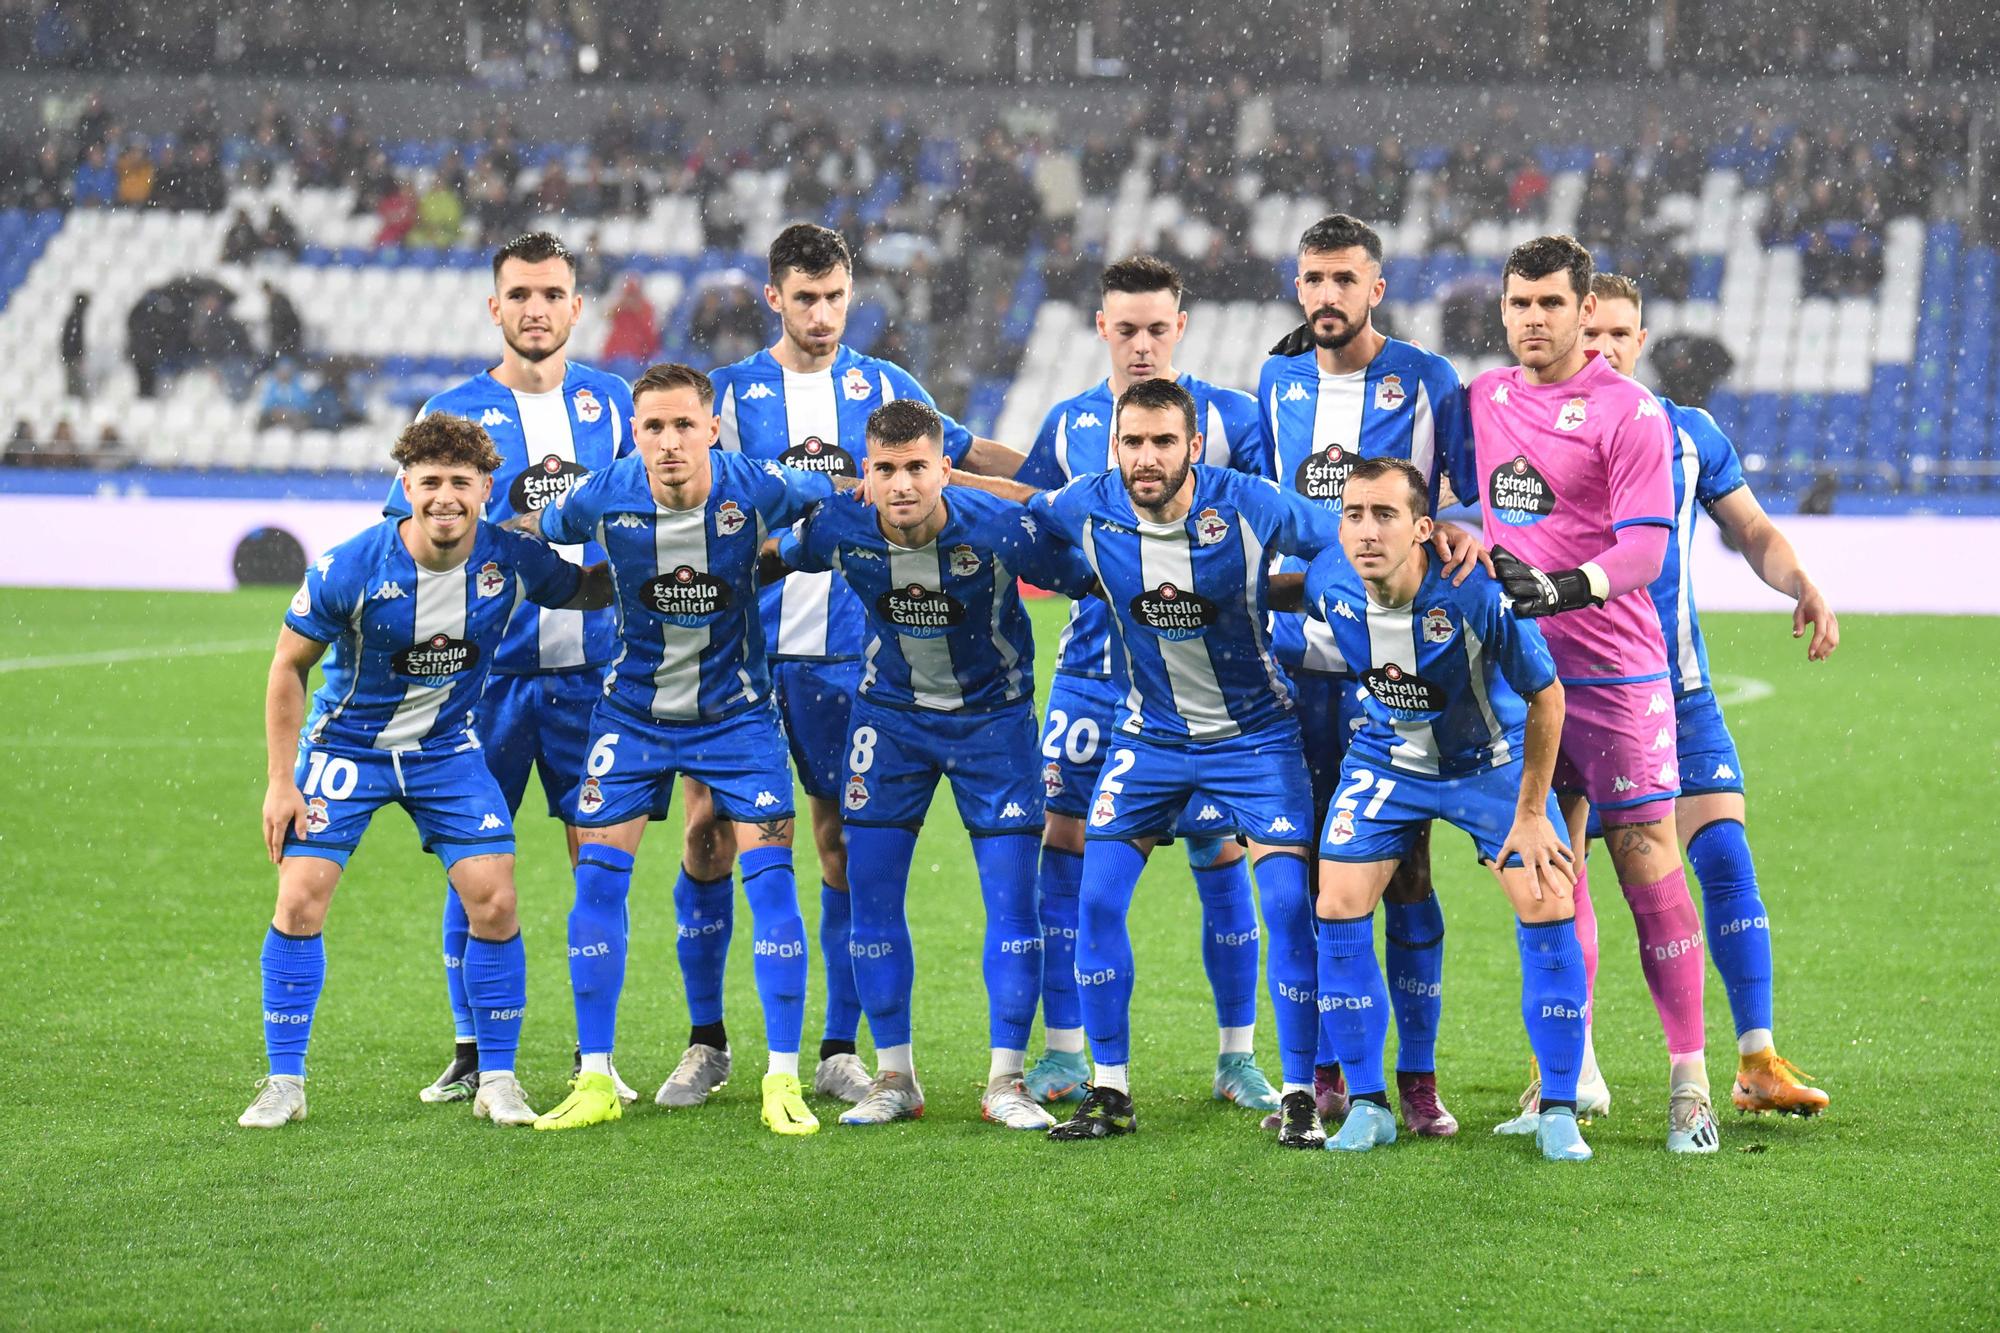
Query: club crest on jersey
point(1104, 811)
point(316, 816)
point(687, 596)
point(1437, 625)
point(856, 794)
point(1173, 613)
point(590, 799)
point(1210, 527)
point(855, 384)
point(1323, 473)
point(729, 519)
point(1340, 829)
point(964, 561)
point(920, 612)
point(1402, 691)
point(1572, 415)
point(302, 602)
point(1389, 393)
point(588, 409)
point(436, 659)
point(1519, 495)
point(489, 580)
point(1052, 780)
point(812, 454)
point(547, 481)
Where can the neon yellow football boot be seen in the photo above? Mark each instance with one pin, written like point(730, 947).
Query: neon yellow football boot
point(593, 1099)
point(785, 1108)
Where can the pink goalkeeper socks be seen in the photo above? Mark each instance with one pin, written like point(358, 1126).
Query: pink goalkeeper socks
point(1670, 954)
point(1586, 933)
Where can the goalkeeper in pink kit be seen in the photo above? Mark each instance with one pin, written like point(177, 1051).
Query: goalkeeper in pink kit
point(1573, 461)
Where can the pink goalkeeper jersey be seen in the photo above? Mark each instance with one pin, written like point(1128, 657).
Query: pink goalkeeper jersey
point(1564, 467)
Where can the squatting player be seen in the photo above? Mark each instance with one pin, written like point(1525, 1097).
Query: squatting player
point(949, 691)
point(804, 401)
point(1183, 554)
point(1575, 461)
point(682, 524)
point(1141, 321)
point(1445, 671)
point(1335, 391)
point(414, 610)
point(1710, 812)
point(554, 422)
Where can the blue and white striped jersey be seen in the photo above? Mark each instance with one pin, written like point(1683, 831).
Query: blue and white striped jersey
point(946, 629)
point(687, 579)
point(1706, 468)
point(1407, 403)
point(817, 422)
point(1075, 441)
point(1193, 658)
point(412, 647)
point(1444, 678)
point(548, 442)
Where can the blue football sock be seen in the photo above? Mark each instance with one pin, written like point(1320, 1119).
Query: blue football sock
point(1552, 997)
point(294, 968)
point(1012, 961)
point(1056, 886)
point(1355, 1000)
point(843, 1001)
point(456, 929)
point(597, 943)
point(1288, 961)
point(1229, 940)
point(885, 970)
point(496, 981)
point(778, 955)
point(1414, 961)
point(1739, 929)
point(704, 916)
point(1111, 873)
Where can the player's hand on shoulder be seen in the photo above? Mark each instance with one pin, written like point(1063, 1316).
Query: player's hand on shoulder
point(1460, 550)
point(528, 524)
point(1812, 609)
point(284, 812)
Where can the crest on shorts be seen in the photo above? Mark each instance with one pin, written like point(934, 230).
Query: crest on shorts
point(1105, 810)
point(856, 794)
point(588, 409)
point(1210, 527)
point(1437, 625)
point(316, 816)
point(1052, 782)
point(1389, 393)
point(591, 798)
point(1340, 829)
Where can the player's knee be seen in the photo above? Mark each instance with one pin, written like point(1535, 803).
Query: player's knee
point(1209, 853)
point(1063, 833)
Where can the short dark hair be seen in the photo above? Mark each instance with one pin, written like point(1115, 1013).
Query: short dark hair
point(1158, 393)
point(1617, 287)
point(905, 421)
point(1551, 254)
point(671, 375)
point(808, 248)
point(1341, 231)
point(448, 440)
point(1140, 273)
point(1370, 469)
point(532, 248)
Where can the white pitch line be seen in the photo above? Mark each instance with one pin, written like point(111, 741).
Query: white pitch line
point(1735, 691)
point(108, 656)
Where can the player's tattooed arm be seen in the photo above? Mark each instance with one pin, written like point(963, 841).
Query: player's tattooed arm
point(530, 523)
point(284, 711)
point(1286, 592)
point(1548, 860)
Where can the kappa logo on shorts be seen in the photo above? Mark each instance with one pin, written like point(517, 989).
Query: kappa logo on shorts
point(1052, 780)
point(759, 391)
point(489, 580)
point(1572, 414)
point(316, 816)
point(1623, 783)
point(1669, 775)
point(1656, 705)
point(1389, 393)
point(765, 800)
point(1663, 738)
point(1724, 771)
point(1104, 811)
point(591, 798)
point(1437, 626)
point(964, 561)
point(1013, 810)
point(1295, 394)
point(1340, 829)
point(588, 409)
point(492, 821)
point(729, 519)
point(1283, 825)
point(1208, 812)
point(855, 384)
point(1210, 527)
point(1088, 419)
point(856, 794)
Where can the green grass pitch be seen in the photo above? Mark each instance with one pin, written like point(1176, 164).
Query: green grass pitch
point(133, 894)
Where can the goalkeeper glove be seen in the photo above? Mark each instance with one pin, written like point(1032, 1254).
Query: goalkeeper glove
point(1537, 594)
point(1298, 340)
